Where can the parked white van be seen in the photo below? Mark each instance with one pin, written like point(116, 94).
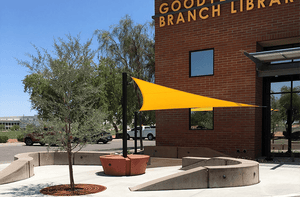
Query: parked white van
point(147, 132)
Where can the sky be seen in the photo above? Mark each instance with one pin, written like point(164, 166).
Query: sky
point(38, 22)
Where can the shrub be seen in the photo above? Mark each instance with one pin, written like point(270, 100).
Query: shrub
point(15, 127)
point(20, 138)
point(3, 139)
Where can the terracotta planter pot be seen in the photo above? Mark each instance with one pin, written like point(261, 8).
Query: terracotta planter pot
point(117, 165)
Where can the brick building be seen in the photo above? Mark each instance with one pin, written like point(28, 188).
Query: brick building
point(217, 49)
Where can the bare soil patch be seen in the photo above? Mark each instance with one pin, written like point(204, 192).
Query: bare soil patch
point(12, 141)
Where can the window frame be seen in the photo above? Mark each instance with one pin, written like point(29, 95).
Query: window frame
point(190, 62)
point(190, 126)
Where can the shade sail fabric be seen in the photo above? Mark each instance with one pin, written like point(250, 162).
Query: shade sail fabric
point(203, 109)
point(157, 97)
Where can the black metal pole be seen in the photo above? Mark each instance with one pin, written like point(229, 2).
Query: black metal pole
point(135, 132)
point(290, 119)
point(124, 83)
point(268, 135)
point(289, 129)
point(141, 131)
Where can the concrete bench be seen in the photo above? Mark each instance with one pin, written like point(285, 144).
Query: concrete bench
point(23, 165)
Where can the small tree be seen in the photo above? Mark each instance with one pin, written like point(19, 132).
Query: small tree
point(61, 90)
point(15, 127)
point(2, 127)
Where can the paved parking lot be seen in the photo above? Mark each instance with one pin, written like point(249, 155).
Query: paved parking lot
point(8, 150)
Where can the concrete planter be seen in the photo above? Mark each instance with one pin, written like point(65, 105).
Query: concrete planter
point(119, 166)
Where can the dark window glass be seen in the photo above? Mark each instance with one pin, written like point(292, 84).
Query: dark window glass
point(201, 120)
point(202, 63)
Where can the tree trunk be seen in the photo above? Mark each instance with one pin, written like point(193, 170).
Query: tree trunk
point(69, 151)
point(115, 127)
point(71, 169)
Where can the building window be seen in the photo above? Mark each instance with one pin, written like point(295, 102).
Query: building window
point(201, 63)
point(201, 120)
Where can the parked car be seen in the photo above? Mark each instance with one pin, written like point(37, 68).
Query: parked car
point(147, 132)
point(294, 135)
point(35, 137)
point(32, 138)
point(101, 137)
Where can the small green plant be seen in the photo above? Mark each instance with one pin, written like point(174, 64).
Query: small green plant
point(20, 138)
point(3, 139)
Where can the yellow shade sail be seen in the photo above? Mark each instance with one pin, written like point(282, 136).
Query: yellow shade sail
point(203, 109)
point(274, 109)
point(157, 97)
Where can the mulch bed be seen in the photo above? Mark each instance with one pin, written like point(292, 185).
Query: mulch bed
point(80, 189)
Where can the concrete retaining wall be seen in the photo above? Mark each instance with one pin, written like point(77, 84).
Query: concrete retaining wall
point(161, 151)
point(199, 172)
point(192, 179)
point(180, 152)
point(23, 166)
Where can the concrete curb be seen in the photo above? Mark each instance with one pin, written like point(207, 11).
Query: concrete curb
point(12, 144)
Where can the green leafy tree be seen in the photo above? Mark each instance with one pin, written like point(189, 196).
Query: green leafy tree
point(202, 119)
point(285, 104)
point(111, 77)
point(127, 48)
point(15, 127)
point(30, 128)
point(61, 90)
point(276, 118)
point(2, 127)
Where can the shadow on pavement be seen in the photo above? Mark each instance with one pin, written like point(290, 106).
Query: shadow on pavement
point(28, 190)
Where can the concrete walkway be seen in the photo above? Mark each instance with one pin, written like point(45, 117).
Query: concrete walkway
point(278, 180)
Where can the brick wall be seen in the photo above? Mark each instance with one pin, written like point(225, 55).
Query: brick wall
point(234, 76)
